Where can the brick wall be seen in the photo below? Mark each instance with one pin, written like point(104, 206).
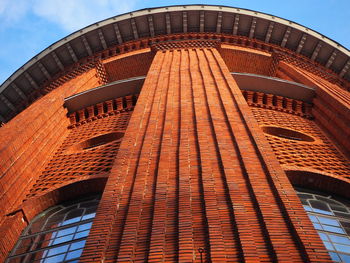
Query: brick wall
point(133, 65)
point(28, 141)
point(319, 155)
point(194, 171)
point(76, 159)
point(246, 61)
point(331, 106)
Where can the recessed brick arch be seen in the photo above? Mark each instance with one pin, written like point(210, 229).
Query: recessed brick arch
point(19, 219)
point(324, 182)
point(69, 191)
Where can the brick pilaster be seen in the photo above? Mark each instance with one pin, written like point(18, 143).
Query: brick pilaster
point(195, 173)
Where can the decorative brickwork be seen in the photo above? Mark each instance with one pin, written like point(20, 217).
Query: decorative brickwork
point(90, 161)
point(101, 110)
point(320, 155)
point(194, 176)
point(167, 45)
point(101, 73)
point(331, 106)
point(278, 103)
point(312, 67)
point(279, 54)
point(185, 169)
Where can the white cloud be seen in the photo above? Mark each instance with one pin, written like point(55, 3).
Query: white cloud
point(70, 15)
point(12, 11)
point(75, 14)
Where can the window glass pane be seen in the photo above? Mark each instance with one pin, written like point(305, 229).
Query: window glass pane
point(339, 208)
point(307, 208)
point(342, 248)
point(84, 227)
point(320, 207)
point(313, 218)
point(75, 213)
point(331, 218)
point(39, 221)
point(304, 196)
point(323, 236)
point(334, 256)
point(82, 234)
point(88, 216)
point(57, 250)
point(62, 239)
point(333, 229)
point(77, 245)
point(54, 259)
point(345, 258)
point(56, 235)
point(74, 254)
point(317, 226)
point(340, 239)
point(66, 231)
point(328, 245)
point(328, 221)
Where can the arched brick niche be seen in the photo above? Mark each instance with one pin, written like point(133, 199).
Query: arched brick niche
point(16, 221)
point(323, 182)
point(288, 134)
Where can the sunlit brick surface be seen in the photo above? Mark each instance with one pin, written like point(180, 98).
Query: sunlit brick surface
point(319, 155)
point(190, 174)
point(194, 173)
point(71, 165)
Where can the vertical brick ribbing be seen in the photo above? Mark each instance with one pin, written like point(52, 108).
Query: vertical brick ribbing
point(194, 171)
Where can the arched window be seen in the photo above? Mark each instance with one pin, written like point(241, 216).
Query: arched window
point(57, 234)
point(331, 218)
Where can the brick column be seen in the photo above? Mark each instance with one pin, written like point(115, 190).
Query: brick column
point(194, 176)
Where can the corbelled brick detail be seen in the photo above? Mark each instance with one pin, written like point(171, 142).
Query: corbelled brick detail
point(278, 103)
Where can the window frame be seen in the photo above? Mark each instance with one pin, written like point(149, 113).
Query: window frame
point(37, 237)
point(340, 217)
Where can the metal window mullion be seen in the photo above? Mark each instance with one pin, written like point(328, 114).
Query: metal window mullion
point(57, 245)
point(47, 219)
point(58, 228)
point(46, 248)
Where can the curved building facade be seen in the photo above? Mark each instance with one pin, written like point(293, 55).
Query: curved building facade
point(178, 134)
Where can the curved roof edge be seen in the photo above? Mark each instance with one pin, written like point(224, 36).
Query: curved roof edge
point(174, 19)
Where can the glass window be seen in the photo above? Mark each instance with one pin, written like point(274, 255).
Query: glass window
point(57, 234)
point(331, 218)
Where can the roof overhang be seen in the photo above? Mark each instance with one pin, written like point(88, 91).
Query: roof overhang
point(153, 22)
point(245, 81)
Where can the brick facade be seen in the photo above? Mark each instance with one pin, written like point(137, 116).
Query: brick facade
point(185, 169)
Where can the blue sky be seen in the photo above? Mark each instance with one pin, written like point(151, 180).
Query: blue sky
point(29, 26)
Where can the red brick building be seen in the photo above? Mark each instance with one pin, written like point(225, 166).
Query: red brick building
point(182, 133)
